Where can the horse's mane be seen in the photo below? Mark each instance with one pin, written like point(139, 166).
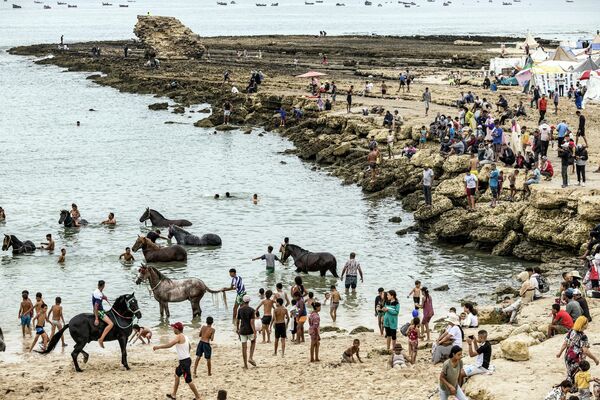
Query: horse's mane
point(177, 227)
point(161, 276)
point(157, 213)
point(298, 247)
point(13, 238)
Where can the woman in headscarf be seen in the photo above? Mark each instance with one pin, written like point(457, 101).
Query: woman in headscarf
point(515, 137)
point(576, 348)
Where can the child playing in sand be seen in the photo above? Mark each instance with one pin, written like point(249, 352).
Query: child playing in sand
point(348, 355)
point(314, 326)
point(416, 294)
point(63, 254)
point(141, 333)
point(25, 313)
point(127, 256)
point(413, 339)
point(398, 359)
point(207, 334)
point(268, 305)
point(57, 319)
point(335, 302)
point(40, 322)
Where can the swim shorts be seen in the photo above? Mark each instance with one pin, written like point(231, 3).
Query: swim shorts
point(266, 320)
point(391, 333)
point(204, 349)
point(334, 305)
point(239, 299)
point(470, 191)
point(280, 331)
point(494, 190)
point(39, 330)
point(25, 320)
point(227, 113)
point(302, 320)
point(351, 281)
point(247, 338)
point(183, 369)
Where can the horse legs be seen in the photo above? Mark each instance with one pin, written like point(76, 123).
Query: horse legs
point(196, 310)
point(86, 356)
point(76, 350)
point(162, 310)
point(166, 307)
point(123, 345)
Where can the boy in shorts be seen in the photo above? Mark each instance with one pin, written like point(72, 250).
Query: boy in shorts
point(40, 322)
point(281, 319)
point(416, 294)
point(267, 318)
point(335, 302)
point(57, 320)
point(207, 334)
point(25, 313)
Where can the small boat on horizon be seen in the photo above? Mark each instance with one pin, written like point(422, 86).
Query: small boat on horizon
point(260, 5)
point(340, 4)
point(220, 3)
point(368, 3)
point(274, 4)
point(107, 4)
point(60, 3)
point(123, 5)
point(47, 7)
point(38, 2)
point(16, 6)
point(308, 3)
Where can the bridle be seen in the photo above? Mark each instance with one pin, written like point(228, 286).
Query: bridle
point(128, 304)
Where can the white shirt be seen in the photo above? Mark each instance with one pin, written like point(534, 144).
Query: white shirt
point(427, 177)
point(183, 350)
point(471, 181)
point(544, 132)
point(456, 334)
point(534, 283)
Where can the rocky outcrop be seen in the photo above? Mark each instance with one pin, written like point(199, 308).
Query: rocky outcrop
point(168, 37)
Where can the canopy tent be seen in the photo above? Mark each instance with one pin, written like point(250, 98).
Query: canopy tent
point(592, 94)
point(539, 55)
point(588, 74)
point(529, 40)
point(596, 42)
point(311, 74)
point(587, 65)
point(563, 54)
point(497, 64)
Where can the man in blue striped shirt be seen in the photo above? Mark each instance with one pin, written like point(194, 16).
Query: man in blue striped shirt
point(237, 284)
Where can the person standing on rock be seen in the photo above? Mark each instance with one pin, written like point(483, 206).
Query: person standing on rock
point(227, 109)
point(372, 160)
point(427, 181)
point(333, 92)
point(349, 99)
point(470, 188)
point(581, 129)
point(426, 100)
point(565, 155)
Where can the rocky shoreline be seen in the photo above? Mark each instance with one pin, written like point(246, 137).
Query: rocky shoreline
point(552, 226)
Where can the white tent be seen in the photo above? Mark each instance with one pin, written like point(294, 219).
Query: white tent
point(539, 55)
point(529, 40)
point(592, 95)
point(497, 64)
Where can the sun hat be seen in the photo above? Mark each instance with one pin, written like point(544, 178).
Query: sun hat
point(576, 292)
point(246, 299)
point(453, 319)
point(575, 274)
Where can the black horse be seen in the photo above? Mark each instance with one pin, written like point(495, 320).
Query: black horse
point(184, 237)
point(82, 329)
point(18, 247)
point(67, 220)
point(306, 261)
point(158, 220)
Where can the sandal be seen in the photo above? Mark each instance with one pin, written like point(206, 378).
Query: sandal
point(170, 397)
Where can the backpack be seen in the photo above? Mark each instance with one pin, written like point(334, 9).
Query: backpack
point(543, 284)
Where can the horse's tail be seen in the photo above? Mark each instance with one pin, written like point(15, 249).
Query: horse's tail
point(333, 268)
point(209, 290)
point(54, 341)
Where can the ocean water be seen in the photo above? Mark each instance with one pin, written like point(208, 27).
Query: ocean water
point(123, 158)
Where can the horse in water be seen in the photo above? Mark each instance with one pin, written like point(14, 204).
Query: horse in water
point(167, 290)
point(306, 261)
point(82, 329)
point(18, 247)
point(184, 237)
point(155, 253)
point(158, 220)
point(68, 221)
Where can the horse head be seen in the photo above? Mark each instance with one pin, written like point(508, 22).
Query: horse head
point(145, 215)
point(63, 216)
point(143, 274)
point(127, 306)
point(171, 232)
point(140, 242)
point(6, 243)
point(291, 250)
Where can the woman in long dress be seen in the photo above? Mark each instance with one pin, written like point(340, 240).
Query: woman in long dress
point(515, 137)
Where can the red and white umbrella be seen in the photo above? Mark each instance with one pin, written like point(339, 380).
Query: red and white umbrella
point(586, 74)
point(311, 74)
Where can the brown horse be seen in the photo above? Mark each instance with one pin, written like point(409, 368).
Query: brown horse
point(167, 291)
point(155, 253)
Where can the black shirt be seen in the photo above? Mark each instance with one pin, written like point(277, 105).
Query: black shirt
point(581, 124)
point(486, 350)
point(584, 307)
point(152, 236)
point(245, 315)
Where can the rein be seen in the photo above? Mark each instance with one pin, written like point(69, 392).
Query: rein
point(133, 318)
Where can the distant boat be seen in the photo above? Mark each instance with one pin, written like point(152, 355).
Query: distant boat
point(60, 3)
point(260, 5)
point(570, 1)
point(220, 3)
point(233, 2)
point(368, 3)
point(506, 3)
point(16, 6)
point(274, 4)
point(106, 4)
point(72, 5)
point(308, 3)
point(123, 5)
point(340, 4)
point(47, 7)
point(38, 2)
point(319, 1)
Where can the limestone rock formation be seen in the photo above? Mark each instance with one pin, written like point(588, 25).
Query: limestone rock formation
point(168, 37)
point(516, 348)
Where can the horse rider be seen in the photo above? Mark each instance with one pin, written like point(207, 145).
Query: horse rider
point(154, 235)
point(75, 214)
point(286, 241)
point(99, 314)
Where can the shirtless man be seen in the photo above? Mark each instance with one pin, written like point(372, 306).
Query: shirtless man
point(75, 214)
point(474, 164)
point(154, 235)
point(110, 220)
point(335, 302)
point(372, 160)
point(97, 298)
point(282, 247)
point(25, 313)
point(207, 334)
point(39, 302)
point(63, 254)
point(57, 320)
point(49, 245)
point(2, 214)
point(127, 256)
point(281, 319)
point(281, 294)
point(40, 322)
point(267, 317)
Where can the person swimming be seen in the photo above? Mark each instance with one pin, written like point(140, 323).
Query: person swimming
point(255, 198)
point(217, 196)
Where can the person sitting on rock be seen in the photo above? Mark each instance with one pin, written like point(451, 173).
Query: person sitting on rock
point(388, 120)
point(534, 179)
point(525, 297)
point(561, 321)
point(547, 170)
point(507, 156)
